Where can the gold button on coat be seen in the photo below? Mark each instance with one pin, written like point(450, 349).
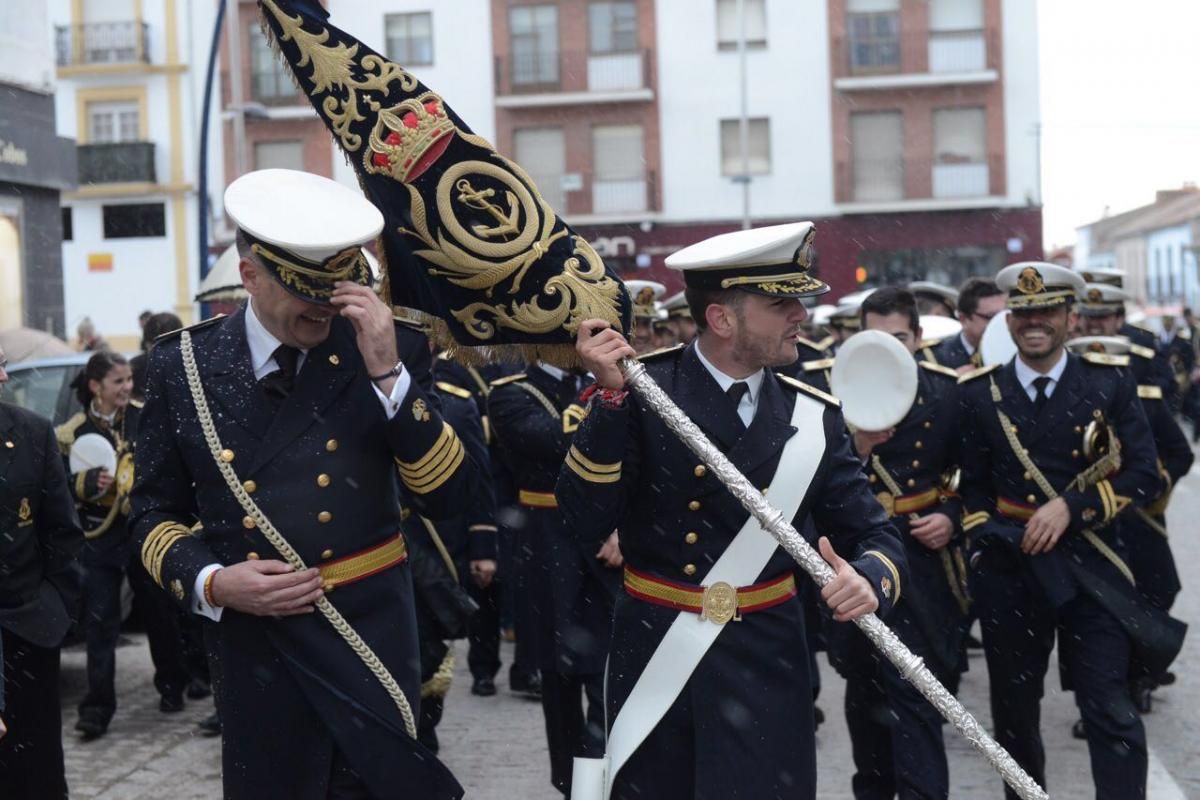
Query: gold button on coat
point(700, 471)
point(912, 482)
point(331, 445)
point(250, 486)
point(1028, 476)
point(322, 480)
point(689, 569)
point(227, 455)
point(324, 516)
point(248, 522)
point(252, 556)
point(918, 445)
point(694, 505)
point(916, 463)
point(326, 554)
point(928, 424)
point(1031, 499)
point(692, 537)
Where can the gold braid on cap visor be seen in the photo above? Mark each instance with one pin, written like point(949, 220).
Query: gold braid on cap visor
point(787, 283)
point(1041, 299)
point(316, 278)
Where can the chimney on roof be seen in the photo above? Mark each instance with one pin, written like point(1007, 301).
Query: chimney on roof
point(1165, 195)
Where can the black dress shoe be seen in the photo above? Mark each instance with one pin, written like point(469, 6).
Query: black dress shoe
point(526, 685)
point(1166, 678)
point(1078, 731)
point(818, 717)
point(91, 726)
point(483, 687)
point(210, 725)
point(170, 703)
point(198, 689)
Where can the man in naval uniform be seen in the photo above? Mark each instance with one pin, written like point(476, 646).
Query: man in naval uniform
point(1060, 448)
point(979, 300)
point(935, 299)
point(280, 517)
point(740, 724)
point(912, 469)
point(573, 584)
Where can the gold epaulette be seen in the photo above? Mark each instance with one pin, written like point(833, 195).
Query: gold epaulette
point(975, 373)
point(1142, 350)
point(137, 403)
point(457, 391)
point(1106, 359)
point(660, 352)
point(932, 367)
point(507, 379)
point(204, 323)
point(1150, 392)
point(65, 433)
point(813, 366)
point(787, 380)
point(412, 324)
point(927, 344)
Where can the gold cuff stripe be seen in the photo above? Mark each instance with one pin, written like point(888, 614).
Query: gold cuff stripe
point(482, 529)
point(970, 521)
point(436, 476)
point(588, 475)
point(593, 466)
point(1150, 392)
point(158, 542)
point(445, 451)
point(416, 467)
point(81, 485)
point(528, 497)
point(891, 568)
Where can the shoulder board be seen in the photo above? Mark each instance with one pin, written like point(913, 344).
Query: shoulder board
point(204, 323)
point(65, 433)
point(1142, 351)
point(1106, 360)
point(929, 343)
point(811, 390)
point(975, 373)
point(810, 344)
point(812, 366)
point(450, 388)
point(411, 324)
point(932, 367)
point(825, 343)
point(507, 379)
point(1150, 392)
point(660, 352)
point(133, 401)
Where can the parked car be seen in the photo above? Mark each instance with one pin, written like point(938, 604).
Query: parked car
point(43, 386)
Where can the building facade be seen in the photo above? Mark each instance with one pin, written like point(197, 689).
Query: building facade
point(907, 129)
point(130, 95)
point(35, 167)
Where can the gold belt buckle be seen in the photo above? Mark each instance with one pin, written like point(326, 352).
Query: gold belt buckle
point(720, 603)
point(888, 501)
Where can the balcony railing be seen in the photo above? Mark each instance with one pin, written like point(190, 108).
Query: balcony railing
point(888, 180)
point(117, 162)
point(102, 43)
point(548, 72)
point(920, 52)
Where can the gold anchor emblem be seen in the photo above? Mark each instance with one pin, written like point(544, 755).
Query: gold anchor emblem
point(506, 224)
point(719, 604)
point(24, 513)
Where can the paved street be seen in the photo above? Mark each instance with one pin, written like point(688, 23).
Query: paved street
point(496, 745)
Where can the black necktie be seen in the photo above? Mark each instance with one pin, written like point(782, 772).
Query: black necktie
point(1039, 399)
point(736, 392)
point(279, 384)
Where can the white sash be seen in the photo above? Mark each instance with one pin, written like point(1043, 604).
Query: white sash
point(690, 636)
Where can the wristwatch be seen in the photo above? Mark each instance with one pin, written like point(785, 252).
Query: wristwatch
point(394, 372)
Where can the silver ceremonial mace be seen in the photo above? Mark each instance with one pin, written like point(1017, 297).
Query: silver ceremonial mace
point(910, 666)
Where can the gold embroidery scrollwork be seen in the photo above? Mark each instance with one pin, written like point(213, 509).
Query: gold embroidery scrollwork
point(332, 67)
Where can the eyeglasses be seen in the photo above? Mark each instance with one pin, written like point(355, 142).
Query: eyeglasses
point(984, 317)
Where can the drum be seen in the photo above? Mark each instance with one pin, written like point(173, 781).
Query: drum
point(92, 450)
point(934, 328)
point(997, 346)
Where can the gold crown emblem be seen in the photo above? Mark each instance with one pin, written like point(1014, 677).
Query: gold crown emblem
point(1096, 347)
point(804, 253)
point(645, 296)
point(408, 138)
point(1030, 281)
point(1095, 295)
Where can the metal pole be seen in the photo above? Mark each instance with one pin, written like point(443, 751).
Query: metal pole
point(910, 666)
point(744, 122)
point(235, 92)
point(205, 113)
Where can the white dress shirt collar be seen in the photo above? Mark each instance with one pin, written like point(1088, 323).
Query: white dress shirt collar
point(1027, 375)
point(966, 345)
point(749, 401)
point(552, 370)
point(262, 346)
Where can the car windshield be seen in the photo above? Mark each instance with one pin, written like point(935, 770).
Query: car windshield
point(39, 388)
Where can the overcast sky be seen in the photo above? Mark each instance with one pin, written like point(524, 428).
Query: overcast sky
point(1120, 106)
